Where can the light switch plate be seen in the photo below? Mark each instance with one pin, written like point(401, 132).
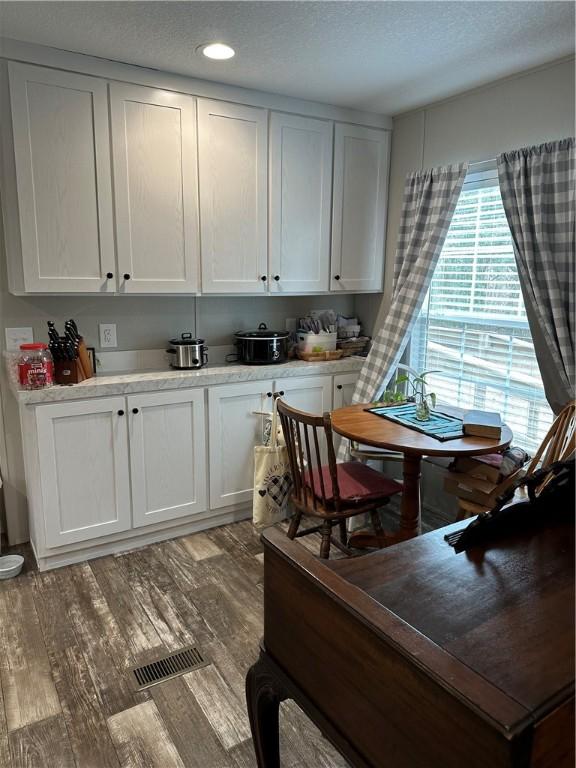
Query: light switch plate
point(107, 333)
point(17, 336)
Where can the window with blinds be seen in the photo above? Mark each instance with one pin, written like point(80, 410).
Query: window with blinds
point(473, 330)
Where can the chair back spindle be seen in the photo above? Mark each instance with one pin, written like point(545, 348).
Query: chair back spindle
point(305, 435)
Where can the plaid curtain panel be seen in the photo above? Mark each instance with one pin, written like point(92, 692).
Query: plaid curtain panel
point(538, 193)
point(430, 198)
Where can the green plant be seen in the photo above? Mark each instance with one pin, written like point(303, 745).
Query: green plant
point(417, 381)
point(390, 396)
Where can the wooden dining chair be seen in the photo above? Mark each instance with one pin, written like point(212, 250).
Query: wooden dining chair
point(323, 489)
point(476, 496)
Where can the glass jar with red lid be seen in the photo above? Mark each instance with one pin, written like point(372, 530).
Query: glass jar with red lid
point(35, 366)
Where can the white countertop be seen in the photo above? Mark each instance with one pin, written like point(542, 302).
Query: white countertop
point(150, 381)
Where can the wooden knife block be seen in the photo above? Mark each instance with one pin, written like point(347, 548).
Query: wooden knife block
point(68, 372)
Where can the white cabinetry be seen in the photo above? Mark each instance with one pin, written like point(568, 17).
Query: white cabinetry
point(232, 146)
point(106, 473)
point(62, 172)
point(234, 429)
point(155, 189)
point(91, 451)
point(300, 196)
point(83, 467)
point(359, 208)
point(344, 384)
point(167, 455)
point(312, 394)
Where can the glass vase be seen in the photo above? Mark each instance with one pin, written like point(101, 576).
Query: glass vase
point(422, 408)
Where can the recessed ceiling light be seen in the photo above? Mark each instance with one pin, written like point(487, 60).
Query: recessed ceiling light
point(218, 51)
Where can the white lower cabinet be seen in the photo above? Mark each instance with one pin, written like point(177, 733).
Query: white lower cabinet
point(103, 471)
point(91, 452)
point(83, 466)
point(344, 384)
point(312, 394)
point(235, 427)
point(167, 455)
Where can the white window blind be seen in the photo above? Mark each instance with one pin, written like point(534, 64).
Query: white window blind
point(473, 328)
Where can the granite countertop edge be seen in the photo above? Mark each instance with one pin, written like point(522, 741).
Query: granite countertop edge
point(153, 381)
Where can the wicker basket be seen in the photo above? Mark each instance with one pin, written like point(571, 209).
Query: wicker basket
point(353, 346)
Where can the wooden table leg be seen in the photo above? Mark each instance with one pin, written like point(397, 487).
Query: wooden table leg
point(409, 512)
point(410, 503)
point(263, 696)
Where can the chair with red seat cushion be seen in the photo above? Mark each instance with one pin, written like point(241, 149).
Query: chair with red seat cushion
point(324, 489)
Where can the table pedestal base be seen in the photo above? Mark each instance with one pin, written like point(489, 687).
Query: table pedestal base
point(409, 512)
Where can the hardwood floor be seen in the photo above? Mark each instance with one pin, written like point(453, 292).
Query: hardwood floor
point(68, 638)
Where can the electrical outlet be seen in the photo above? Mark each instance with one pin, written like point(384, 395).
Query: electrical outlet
point(107, 335)
point(17, 336)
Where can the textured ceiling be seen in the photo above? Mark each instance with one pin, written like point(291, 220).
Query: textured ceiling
point(379, 56)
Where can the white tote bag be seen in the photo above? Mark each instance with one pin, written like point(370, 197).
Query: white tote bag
point(272, 478)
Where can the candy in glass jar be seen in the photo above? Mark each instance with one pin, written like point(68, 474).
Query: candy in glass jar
point(35, 366)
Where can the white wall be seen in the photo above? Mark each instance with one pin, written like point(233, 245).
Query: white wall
point(529, 108)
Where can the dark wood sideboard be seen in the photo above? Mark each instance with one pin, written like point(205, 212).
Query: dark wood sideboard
point(415, 657)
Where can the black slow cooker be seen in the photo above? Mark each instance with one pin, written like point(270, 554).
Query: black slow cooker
point(262, 347)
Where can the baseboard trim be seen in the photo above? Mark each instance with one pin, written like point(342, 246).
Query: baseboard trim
point(137, 541)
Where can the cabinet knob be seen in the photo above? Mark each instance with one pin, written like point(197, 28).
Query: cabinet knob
point(263, 278)
point(268, 394)
point(336, 277)
point(126, 276)
point(281, 393)
point(120, 413)
point(276, 277)
point(338, 386)
point(134, 410)
point(109, 275)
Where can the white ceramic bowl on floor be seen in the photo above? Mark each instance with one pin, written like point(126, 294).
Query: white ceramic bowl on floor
point(10, 566)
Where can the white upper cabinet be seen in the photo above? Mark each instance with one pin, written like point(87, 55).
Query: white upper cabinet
point(359, 208)
point(62, 166)
point(300, 195)
point(232, 146)
point(155, 186)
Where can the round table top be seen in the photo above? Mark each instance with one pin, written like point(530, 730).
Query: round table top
point(355, 423)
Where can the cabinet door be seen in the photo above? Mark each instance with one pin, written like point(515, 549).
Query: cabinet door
point(155, 189)
point(359, 208)
point(83, 460)
point(312, 394)
point(167, 455)
point(344, 384)
point(62, 160)
point(300, 194)
point(235, 428)
point(232, 146)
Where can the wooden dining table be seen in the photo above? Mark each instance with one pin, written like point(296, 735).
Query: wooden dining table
point(357, 424)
